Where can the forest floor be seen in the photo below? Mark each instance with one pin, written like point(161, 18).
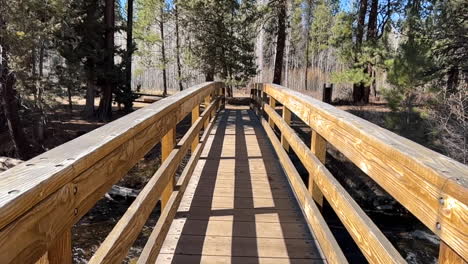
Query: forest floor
point(413, 240)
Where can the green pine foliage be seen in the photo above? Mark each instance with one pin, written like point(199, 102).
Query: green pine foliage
point(222, 37)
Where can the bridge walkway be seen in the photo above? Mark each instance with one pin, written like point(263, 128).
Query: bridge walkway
point(238, 206)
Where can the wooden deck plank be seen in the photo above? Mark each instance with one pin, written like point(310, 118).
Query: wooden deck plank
point(240, 246)
point(253, 215)
point(243, 229)
point(170, 258)
point(238, 206)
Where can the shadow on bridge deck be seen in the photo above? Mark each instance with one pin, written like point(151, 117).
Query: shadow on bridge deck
point(238, 206)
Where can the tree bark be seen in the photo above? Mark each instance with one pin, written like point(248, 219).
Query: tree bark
point(128, 104)
point(361, 23)
point(163, 48)
point(372, 23)
point(372, 38)
point(90, 94)
point(281, 41)
point(209, 76)
point(105, 104)
point(453, 80)
point(179, 66)
point(309, 17)
point(10, 104)
point(359, 88)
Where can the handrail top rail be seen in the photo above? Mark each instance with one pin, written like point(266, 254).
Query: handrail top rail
point(443, 170)
point(46, 173)
point(431, 186)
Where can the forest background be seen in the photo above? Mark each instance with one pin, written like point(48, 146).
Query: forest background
point(408, 55)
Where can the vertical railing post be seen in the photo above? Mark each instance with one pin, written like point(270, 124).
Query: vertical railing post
point(255, 102)
point(207, 103)
point(287, 119)
point(195, 116)
point(167, 145)
point(448, 256)
point(259, 101)
point(272, 103)
point(60, 252)
point(263, 97)
point(223, 96)
point(319, 148)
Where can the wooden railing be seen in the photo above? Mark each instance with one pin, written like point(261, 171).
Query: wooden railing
point(434, 188)
point(41, 199)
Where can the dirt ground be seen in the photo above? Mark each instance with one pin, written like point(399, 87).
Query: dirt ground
point(62, 126)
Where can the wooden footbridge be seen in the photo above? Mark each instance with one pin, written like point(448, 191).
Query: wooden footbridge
point(239, 197)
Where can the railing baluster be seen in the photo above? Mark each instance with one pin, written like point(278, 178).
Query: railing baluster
point(195, 116)
point(60, 252)
point(272, 103)
point(167, 145)
point(448, 255)
point(319, 148)
point(287, 119)
point(207, 103)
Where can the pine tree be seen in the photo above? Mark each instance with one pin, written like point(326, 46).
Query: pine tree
point(104, 111)
point(280, 7)
point(360, 52)
point(178, 50)
point(222, 36)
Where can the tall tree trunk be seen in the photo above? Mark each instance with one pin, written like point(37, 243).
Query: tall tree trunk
point(41, 59)
point(163, 48)
point(372, 23)
point(90, 93)
point(281, 41)
point(307, 50)
point(105, 104)
point(70, 102)
point(371, 37)
point(179, 66)
point(361, 23)
point(10, 104)
point(10, 109)
point(453, 79)
point(128, 104)
point(359, 88)
point(209, 76)
point(41, 124)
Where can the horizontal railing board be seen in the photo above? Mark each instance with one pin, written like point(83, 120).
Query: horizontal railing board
point(431, 186)
point(153, 245)
point(314, 218)
point(121, 238)
point(372, 242)
point(30, 182)
point(44, 217)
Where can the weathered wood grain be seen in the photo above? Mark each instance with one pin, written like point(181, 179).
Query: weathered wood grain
point(36, 230)
point(319, 227)
point(448, 256)
point(167, 146)
point(431, 186)
point(287, 119)
point(25, 185)
point(116, 245)
point(195, 116)
point(272, 104)
point(372, 242)
point(235, 223)
point(153, 245)
point(61, 250)
point(319, 149)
